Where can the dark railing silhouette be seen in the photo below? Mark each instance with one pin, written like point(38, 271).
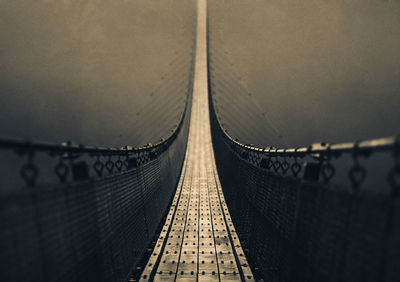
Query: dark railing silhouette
point(96, 224)
point(295, 224)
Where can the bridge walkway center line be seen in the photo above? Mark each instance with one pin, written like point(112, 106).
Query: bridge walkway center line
point(198, 241)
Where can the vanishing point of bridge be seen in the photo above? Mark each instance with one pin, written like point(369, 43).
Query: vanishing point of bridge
point(198, 241)
point(199, 205)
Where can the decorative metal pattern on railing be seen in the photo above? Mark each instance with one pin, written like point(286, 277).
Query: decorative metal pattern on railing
point(96, 224)
point(295, 223)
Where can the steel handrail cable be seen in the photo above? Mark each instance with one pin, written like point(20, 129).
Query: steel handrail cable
point(379, 144)
point(250, 109)
point(235, 106)
point(165, 121)
point(161, 98)
point(164, 106)
point(162, 86)
point(167, 87)
point(262, 113)
point(67, 147)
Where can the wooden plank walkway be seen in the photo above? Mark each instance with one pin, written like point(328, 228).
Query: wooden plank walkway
point(198, 241)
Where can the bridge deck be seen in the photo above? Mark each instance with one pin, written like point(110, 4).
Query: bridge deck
point(198, 241)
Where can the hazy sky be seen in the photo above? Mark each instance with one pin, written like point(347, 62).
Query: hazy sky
point(83, 70)
point(100, 72)
point(318, 70)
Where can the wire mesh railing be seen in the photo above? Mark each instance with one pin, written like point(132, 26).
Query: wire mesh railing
point(96, 223)
point(295, 223)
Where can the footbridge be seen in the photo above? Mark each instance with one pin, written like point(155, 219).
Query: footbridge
point(199, 205)
point(198, 240)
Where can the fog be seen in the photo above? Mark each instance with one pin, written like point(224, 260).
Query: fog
point(286, 73)
point(92, 71)
point(317, 70)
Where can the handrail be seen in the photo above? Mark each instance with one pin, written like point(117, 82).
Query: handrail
point(68, 147)
point(362, 146)
point(276, 158)
point(69, 152)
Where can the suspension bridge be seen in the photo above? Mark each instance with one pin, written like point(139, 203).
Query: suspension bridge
point(199, 205)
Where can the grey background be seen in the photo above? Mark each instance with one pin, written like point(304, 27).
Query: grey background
point(318, 70)
point(93, 71)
